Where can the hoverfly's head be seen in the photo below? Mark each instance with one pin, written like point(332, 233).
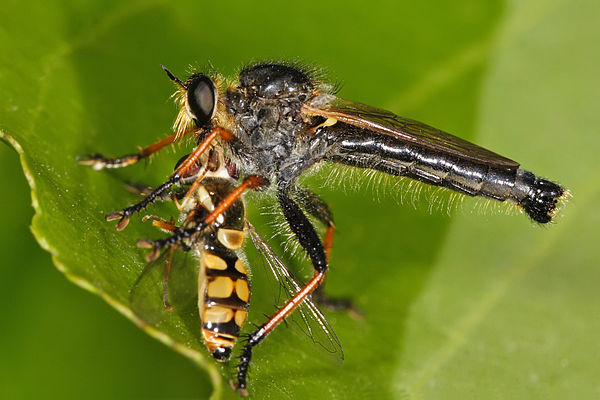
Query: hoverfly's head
point(197, 98)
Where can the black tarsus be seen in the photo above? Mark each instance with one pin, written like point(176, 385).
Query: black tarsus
point(127, 212)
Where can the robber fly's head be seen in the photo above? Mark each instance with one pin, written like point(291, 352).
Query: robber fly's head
point(198, 100)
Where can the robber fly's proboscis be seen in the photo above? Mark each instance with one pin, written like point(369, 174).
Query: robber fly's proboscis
point(262, 132)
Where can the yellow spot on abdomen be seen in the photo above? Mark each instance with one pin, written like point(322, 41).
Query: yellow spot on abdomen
point(213, 262)
point(240, 317)
point(220, 287)
point(217, 314)
point(239, 265)
point(242, 290)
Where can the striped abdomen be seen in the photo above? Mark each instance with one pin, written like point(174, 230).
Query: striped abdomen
point(223, 299)
point(499, 181)
point(223, 282)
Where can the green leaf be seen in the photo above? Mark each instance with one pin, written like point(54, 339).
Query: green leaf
point(476, 305)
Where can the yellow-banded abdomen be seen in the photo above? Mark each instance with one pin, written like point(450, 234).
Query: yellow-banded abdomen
point(223, 281)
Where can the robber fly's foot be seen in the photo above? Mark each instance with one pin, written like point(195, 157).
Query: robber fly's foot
point(337, 304)
point(149, 244)
point(122, 216)
point(242, 392)
point(98, 161)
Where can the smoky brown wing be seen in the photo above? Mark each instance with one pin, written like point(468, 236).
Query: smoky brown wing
point(388, 123)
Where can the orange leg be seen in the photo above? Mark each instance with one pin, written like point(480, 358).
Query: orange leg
point(160, 223)
point(261, 333)
point(333, 303)
point(251, 182)
point(191, 191)
point(186, 169)
point(328, 240)
point(98, 161)
point(311, 243)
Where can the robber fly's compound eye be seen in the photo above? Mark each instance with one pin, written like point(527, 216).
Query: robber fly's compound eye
point(201, 99)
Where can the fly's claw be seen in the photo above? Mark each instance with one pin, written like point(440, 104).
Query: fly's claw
point(98, 161)
point(243, 392)
point(122, 216)
point(149, 244)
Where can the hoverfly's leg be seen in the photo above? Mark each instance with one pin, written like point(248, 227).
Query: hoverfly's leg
point(309, 240)
point(315, 206)
point(98, 161)
point(167, 269)
point(251, 182)
point(185, 169)
point(161, 223)
point(138, 188)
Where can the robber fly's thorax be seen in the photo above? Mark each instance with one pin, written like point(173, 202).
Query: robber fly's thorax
point(269, 123)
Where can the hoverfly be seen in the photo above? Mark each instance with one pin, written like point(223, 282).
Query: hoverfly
point(276, 122)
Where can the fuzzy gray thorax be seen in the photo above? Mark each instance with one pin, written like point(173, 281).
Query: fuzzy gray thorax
point(272, 139)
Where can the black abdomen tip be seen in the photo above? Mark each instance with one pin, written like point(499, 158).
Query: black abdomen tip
point(542, 199)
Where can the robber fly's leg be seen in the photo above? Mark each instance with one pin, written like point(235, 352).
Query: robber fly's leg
point(315, 206)
point(251, 182)
point(123, 215)
point(98, 161)
point(309, 240)
point(185, 169)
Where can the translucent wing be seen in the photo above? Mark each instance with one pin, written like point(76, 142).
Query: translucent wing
point(307, 316)
point(388, 123)
point(146, 296)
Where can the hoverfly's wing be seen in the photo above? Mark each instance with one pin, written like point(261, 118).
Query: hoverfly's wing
point(387, 123)
point(307, 316)
point(148, 294)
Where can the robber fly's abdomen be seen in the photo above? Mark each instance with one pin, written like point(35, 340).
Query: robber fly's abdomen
point(223, 282)
point(364, 149)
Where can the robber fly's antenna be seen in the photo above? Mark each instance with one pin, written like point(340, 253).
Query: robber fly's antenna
point(173, 77)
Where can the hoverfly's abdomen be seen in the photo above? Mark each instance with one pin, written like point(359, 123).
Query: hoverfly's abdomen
point(223, 300)
point(223, 282)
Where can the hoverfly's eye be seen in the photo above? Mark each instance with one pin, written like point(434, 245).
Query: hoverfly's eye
point(202, 99)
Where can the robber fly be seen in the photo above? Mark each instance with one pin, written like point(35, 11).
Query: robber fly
point(279, 120)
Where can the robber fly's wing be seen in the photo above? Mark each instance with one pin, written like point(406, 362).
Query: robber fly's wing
point(388, 123)
point(148, 294)
point(307, 316)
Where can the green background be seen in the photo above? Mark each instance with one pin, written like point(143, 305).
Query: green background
point(477, 304)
